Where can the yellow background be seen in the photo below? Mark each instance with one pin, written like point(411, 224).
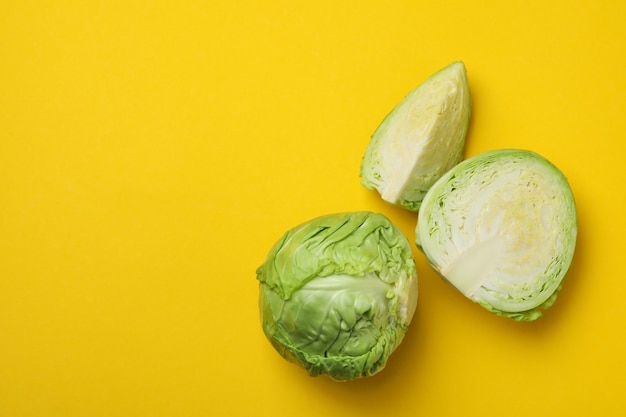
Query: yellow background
point(152, 152)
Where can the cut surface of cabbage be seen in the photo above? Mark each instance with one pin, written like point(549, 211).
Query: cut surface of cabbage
point(422, 138)
point(501, 227)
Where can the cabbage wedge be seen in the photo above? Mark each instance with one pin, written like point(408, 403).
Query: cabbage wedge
point(422, 138)
point(501, 227)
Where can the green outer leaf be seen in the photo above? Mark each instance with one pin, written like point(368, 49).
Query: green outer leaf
point(337, 294)
point(350, 243)
point(344, 332)
point(527, 315)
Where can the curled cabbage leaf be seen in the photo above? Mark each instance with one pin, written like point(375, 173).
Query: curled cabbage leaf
point(501, 227)
point(337, 294)
point(422, 138)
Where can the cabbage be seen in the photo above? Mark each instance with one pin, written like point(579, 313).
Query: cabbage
point(421, 139)
point(501, 228)
point(337, 294)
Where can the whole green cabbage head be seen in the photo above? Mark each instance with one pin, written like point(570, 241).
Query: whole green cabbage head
point(337, 294)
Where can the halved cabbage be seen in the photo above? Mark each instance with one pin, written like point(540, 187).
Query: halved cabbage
point(421, 139)
point(501, 227)
point(337, 294)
